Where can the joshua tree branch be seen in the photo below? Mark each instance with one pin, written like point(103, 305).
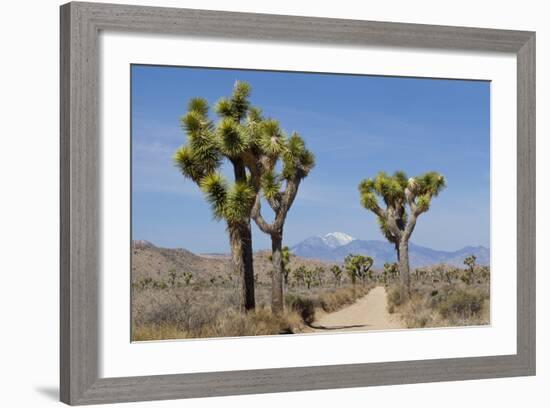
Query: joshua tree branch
point(378, 211)
point(410, 226)
point(258, 218)
point(391, 221)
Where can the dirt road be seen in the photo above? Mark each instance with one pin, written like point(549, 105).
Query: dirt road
point(368, 313)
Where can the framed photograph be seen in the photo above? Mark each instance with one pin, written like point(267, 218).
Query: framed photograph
point(261, 203)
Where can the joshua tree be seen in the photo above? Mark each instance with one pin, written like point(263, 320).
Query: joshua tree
point(173, 277)
point(308, 276)
point(200, 160)
point(299, 275)
point(397, 224)
point(358, 266)
point(337, 273)
point(470, 262)
point(278, 189)
point(319, 272)
point(390, 271)
point(187, 276)
point(286, 265)
point(468, 276)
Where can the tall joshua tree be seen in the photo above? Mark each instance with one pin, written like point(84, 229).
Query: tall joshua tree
point(396, 221)
point(209, 144)
point(278, 188)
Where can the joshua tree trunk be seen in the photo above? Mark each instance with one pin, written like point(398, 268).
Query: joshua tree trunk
point(404, 269)
point(241, 249)
point(277, 296)
point(248, 286)
point(240, 238)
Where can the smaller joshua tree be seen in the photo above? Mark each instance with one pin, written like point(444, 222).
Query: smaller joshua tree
point(299, 274)
point(358, 266)
point(469, 275)
point(391, 271)
point(397, 224)
point(308, 276)
point(173, 277)
point(187, 277)
point(336, 273)
point(319, 275)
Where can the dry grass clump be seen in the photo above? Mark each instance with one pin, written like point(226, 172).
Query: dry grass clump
point(177, 318)
point(394, 298)
point(442, 305)
point(301, 305)
point(230, 323)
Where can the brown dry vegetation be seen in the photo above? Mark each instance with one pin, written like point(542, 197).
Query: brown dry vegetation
point(212, 311)
point(166, 306)
point(177, 294)
point(444, 296)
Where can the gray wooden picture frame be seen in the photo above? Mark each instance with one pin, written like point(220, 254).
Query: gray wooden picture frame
point(81, 24)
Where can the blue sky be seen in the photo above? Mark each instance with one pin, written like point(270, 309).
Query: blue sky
point(355, 125)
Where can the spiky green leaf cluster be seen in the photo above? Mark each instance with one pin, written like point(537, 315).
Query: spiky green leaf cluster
point(199, 105)
point(240, 198)
point(197, 163)
point(423, 202)
point(297, 159)
point(231, 203)
point(200, 156)
point(271, 185)
point(271, 139)
point(431, 183)
point(214, 186)
point(237, 105)
point(233, 140)
point(390, 188)
point(255, 115)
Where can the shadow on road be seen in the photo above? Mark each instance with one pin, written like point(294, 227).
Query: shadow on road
point(352, 326)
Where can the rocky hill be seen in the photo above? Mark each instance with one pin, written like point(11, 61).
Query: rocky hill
point(150, 261)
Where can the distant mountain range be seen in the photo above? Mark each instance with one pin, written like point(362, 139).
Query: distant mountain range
point(336, 245)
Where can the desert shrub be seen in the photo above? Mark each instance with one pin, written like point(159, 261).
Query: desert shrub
point(462, 303)
point(422, 319)
point(149, 283)
point(304, 306)
point(394, 297)
point(440, 304)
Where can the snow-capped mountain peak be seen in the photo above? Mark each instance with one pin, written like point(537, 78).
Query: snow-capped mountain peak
point(337, 239)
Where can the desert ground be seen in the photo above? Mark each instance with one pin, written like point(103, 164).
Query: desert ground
point(367, 313)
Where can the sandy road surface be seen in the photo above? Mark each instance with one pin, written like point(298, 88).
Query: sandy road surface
point(368, 313)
